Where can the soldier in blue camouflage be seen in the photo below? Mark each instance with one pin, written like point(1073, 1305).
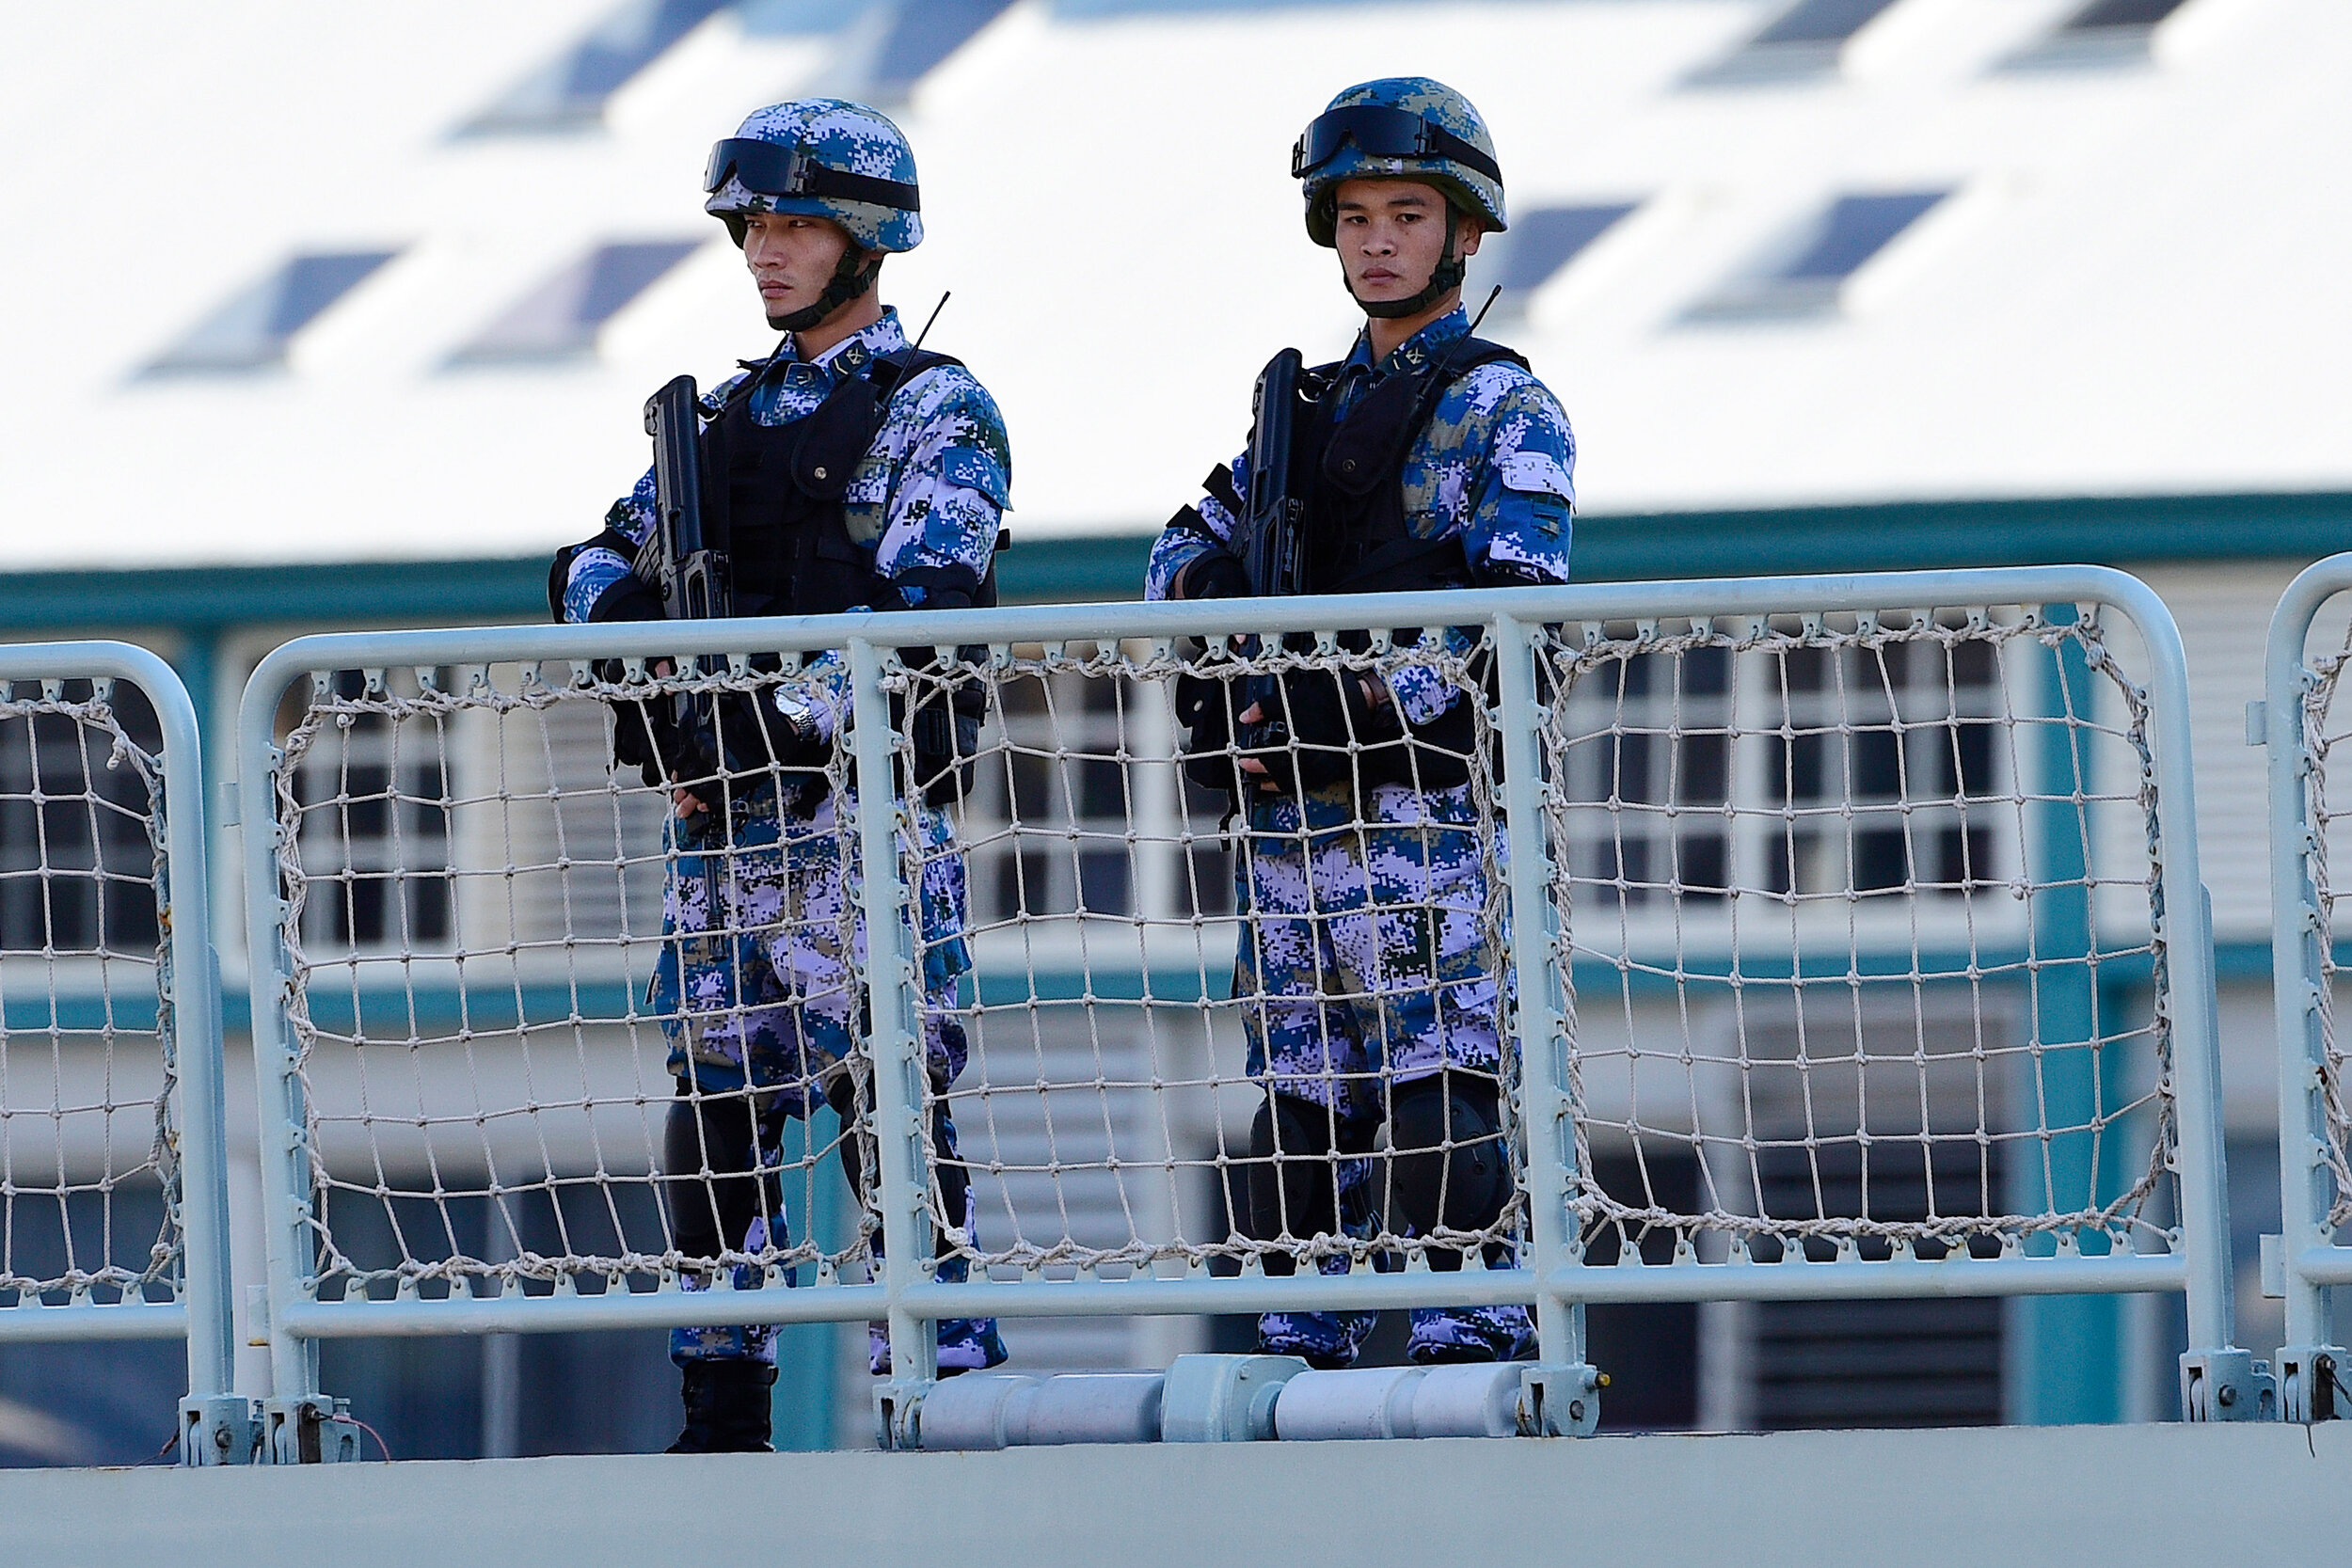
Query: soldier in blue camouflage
point(847, 470)
point(1426, 458)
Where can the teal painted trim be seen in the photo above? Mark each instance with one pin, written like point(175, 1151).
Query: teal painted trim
point(1073, 571)
point(491, 1008)
point(2069, 1361)
point(1621, 547)
point(437, 593)
point(1903, 535)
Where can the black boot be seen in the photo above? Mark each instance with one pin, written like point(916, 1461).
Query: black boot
point(726, 1407)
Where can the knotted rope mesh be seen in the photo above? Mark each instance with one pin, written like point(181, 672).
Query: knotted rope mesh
point(1119, 1051)
point(1864, 937)
point(2324, 731)
point(474, 928)
point(1858, 919)
point(89, 1171)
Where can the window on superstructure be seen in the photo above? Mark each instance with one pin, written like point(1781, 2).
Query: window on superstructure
point(2102, 33)
point(1807, 272)
point(1807, 40)
point(561, 318)
point(569, 92)
point(254, 328)
point(374, 805)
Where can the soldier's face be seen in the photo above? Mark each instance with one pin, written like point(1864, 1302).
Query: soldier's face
point(1390, 233)
point(791, 257)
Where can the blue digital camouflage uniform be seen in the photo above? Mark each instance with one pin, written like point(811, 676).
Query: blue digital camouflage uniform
point(763, 931)
point(1362, 949)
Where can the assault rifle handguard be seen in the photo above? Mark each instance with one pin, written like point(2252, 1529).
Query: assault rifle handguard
point(1273, 537)
point(680, 563)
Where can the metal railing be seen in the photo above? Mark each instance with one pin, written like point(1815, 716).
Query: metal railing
point(2299, 689)
point(110, 1052)
point(1823, 835)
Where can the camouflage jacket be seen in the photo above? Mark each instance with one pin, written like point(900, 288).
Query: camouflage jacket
point(1495, 464)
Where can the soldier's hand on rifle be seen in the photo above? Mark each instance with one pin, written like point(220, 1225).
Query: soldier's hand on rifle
point(1213, 575)
point(1328, 712)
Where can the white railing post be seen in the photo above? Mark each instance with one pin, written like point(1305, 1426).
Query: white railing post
point(2310, 1365)
point(1565, 1396)
point(894, 1044)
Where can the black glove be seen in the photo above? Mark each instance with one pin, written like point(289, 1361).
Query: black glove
point(1205, 706)
point(654, 738)
point(1216, 575)
point(1308, 720)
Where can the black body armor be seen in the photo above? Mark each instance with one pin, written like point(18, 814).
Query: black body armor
point(1349, 469)
point(773, 503)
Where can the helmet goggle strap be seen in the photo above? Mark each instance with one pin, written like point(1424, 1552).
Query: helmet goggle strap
point(1379, 131)
point(1444, 277)
point(768, 169)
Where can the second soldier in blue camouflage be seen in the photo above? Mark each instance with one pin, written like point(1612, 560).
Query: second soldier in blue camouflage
point(1366, 960)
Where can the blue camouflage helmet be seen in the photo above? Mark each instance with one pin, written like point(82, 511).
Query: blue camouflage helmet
point(1399, 127)
point(823, 157)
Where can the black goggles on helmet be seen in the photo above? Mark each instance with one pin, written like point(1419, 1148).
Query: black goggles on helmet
point(768, 169)
point(1379, 131)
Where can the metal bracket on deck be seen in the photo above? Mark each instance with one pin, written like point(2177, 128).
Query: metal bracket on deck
point(1223, 1399)
point(2227, 1386)
point(1560, 1401)
point(311, 1429)
point(898, 1412)
point(2312, 1385)
point(225, 1429)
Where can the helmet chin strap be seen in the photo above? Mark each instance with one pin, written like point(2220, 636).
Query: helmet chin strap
point(851, 277)
point(1446, 276)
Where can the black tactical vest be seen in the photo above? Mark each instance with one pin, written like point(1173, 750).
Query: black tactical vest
point(772, 494)
point(1349, 469)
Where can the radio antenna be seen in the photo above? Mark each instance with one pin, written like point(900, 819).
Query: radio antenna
point(1474, 320)
point(943, 295)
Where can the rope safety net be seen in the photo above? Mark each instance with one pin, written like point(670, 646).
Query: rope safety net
point(513, 1081)
point(2324, 731)
point(89, 1176)
point(1152, 953)
point(1858, 917)
point(1866, 941)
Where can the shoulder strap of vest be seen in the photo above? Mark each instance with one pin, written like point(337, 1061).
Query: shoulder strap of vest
point(1368, 447)
point(1470, 352)
point(893, 370)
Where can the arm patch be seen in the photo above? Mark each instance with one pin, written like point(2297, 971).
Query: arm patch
point(1536, 473)
point(976, 469)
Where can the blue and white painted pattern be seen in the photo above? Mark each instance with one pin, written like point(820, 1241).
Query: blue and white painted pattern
point(840, 135)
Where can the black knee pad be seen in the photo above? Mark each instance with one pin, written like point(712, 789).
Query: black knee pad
point(710, 1152)
point(1293, 1181)
point(1463, 1188)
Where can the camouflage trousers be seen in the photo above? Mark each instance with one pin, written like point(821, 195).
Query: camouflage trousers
point(1364, 958)
point(763, 944)
point(757, 985)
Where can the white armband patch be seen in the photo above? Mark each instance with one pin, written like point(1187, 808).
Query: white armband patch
point(1536, 473)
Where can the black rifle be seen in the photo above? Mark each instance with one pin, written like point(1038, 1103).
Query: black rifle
point(1272, 554)
point(680, 563)
point(1273, 544)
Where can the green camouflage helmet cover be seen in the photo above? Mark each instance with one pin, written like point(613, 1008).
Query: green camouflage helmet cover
point(838, 135)
point(1468, 189)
